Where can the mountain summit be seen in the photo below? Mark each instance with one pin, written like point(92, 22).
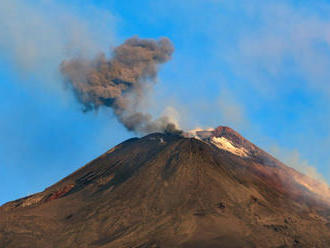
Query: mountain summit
point(209, 188)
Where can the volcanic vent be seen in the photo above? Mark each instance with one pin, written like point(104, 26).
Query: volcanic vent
point(212, 189)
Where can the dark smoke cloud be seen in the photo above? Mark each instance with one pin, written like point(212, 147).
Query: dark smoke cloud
point(121, 82)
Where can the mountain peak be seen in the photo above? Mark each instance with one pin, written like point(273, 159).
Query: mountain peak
point(166, 190)
point(225, 138)
point(220, 131)
point(228, 132)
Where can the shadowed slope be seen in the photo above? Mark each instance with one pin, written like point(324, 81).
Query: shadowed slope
point(168, 191)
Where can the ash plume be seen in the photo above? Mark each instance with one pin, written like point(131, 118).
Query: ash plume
point(121, 82)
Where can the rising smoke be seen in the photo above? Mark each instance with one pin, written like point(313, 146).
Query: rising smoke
point(121, 82)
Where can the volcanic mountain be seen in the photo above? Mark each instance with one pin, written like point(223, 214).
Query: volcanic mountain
point(211, 188)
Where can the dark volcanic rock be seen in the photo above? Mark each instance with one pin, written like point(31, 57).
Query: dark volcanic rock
point(165, 190)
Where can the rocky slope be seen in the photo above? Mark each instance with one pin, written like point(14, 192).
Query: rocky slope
point(212, 189)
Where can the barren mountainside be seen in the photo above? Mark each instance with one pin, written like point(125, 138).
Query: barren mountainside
point(212, 188)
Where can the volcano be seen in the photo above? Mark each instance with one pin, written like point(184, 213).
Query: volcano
point(209, 188)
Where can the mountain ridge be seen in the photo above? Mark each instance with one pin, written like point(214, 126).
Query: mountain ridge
point(165, 190)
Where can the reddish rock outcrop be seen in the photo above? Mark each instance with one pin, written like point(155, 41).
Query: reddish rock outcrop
point(59, 193)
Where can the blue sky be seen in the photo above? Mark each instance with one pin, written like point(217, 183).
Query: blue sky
point(259, 67)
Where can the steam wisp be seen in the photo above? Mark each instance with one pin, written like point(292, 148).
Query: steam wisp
point(121, 82)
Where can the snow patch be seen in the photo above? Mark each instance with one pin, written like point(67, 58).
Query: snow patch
point(225, 144)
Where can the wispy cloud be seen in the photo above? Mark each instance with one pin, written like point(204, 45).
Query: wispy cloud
point(294, 159)
point(231, 111)
point(283, 41)
point(37, 35)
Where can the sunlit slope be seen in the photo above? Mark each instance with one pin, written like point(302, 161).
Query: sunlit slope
point(166, 190)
